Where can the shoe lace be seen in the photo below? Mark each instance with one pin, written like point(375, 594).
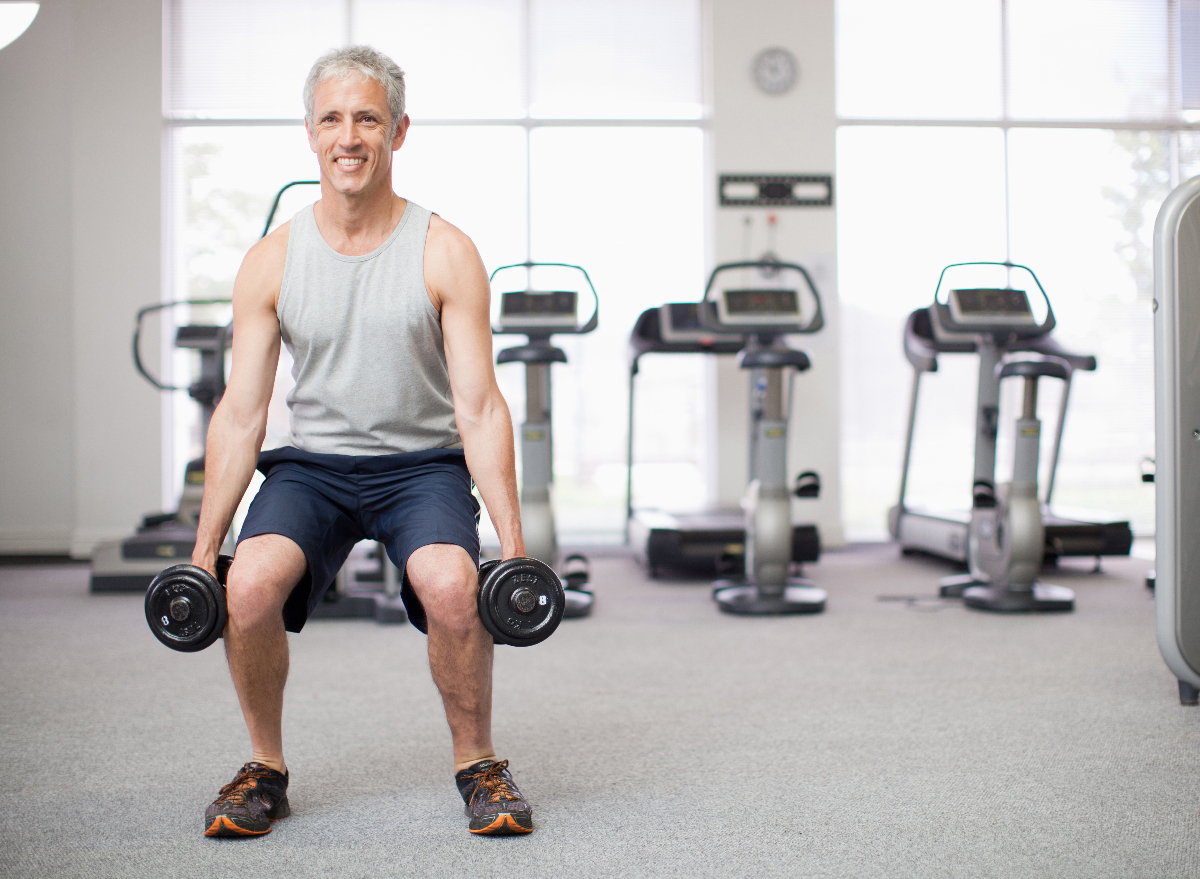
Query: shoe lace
point(493, 781)
point(237, 790)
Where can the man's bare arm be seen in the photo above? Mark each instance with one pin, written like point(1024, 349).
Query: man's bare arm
point(458, 286)
point(239, 423)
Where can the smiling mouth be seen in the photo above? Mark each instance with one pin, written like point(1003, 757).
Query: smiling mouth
point(348, 161)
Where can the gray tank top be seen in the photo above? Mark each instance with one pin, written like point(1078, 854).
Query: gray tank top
point(366, 342)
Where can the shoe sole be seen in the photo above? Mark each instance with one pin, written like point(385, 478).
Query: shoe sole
point(222, 826)
point(506, 824)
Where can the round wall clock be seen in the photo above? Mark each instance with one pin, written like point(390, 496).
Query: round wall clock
point(775, 70)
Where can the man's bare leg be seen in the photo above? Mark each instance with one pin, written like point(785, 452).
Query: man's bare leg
point(264, 572)
point(460, 658)
point(460, 648)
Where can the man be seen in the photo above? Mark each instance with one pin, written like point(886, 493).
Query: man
point(385, 308)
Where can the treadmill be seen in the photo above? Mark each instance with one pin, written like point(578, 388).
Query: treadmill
point(709, 542)
point(943, 533)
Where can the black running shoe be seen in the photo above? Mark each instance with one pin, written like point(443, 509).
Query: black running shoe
point(248, 804)
point(494, 805)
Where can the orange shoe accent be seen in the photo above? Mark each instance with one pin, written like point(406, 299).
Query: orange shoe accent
point(504, 824)
point(221, 823)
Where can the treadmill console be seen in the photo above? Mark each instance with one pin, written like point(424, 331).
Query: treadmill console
point(551, 310)
point(679, 322)
point(991, 306)
point(759, 306)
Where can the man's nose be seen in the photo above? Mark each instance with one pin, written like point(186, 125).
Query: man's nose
point(347, 133)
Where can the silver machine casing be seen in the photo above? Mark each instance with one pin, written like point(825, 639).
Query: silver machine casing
point(1177, 430)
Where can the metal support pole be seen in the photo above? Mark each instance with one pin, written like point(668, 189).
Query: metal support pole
point(1058, 435)
point(908, 443)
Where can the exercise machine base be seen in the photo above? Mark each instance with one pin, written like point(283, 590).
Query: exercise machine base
point(953, 587)
point(579, 603)
point(712, 542)
point(361, 604)
point(799, 596)
point(1042, 598)
point(1068, 534)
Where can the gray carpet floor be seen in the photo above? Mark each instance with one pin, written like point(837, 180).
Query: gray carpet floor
point(883, 738)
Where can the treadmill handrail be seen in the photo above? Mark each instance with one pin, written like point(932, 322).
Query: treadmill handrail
point(1051, 348)
point(921, 348)
point(646, 338)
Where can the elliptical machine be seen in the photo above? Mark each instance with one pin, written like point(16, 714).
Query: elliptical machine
point(162, 539)
point(539, 314)
point(763, 301)
point(1006, 538)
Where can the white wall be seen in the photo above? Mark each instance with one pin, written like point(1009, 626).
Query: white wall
point(80, 245)
point(791, 133)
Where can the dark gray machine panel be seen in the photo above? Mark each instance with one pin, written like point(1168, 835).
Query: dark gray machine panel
point(1187, 483)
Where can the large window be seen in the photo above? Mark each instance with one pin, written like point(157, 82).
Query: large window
point(563, 130)
point(1046, 132)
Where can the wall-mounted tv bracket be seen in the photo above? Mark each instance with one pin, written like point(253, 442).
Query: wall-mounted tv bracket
point(775, 190)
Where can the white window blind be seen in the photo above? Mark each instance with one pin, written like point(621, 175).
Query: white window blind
point(1101, 60)
point(937, 59)
point(229, 59)
point(1089, 59)
point(462, 59)
point(613, 59)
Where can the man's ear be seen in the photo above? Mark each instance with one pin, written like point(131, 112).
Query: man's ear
point(401, 132)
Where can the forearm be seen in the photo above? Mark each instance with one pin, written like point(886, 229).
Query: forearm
point(488, 444)
point(231, 454)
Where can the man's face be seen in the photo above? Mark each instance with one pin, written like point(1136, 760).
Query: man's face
point(349, 134)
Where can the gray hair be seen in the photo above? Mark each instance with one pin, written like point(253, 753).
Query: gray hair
point(362, 62)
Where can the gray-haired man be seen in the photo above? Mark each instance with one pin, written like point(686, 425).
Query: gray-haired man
point(384, 307)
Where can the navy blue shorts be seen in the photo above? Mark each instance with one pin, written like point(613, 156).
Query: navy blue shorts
point(328, 503)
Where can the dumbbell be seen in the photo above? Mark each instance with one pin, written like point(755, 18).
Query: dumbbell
point(521, 601)
point(185, 606)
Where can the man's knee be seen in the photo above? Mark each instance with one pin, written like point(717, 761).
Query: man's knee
point(444, 579)
point(265, 570)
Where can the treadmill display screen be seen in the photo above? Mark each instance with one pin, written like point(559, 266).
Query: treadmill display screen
point(685, 316)
point(555, 306)
point(680, 323)
point(991, 305)
point(752, 302)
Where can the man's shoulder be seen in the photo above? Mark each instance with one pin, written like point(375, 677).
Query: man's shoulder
point(447, 241)
point(453, 268)
point(262, 268)
point(272, 247)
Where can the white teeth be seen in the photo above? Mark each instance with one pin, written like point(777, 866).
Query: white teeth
point(346, 160)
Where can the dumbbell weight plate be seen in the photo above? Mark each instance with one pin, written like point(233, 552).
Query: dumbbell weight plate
point(185, 606)
point(521, 601)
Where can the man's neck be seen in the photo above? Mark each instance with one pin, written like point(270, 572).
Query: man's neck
point(356, 225)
